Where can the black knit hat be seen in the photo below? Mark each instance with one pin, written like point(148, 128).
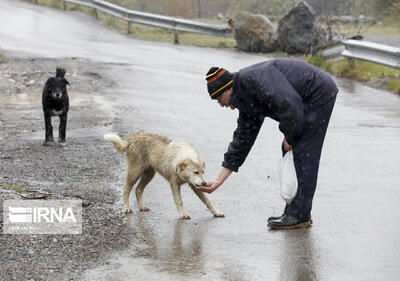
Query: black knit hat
point(218, 81)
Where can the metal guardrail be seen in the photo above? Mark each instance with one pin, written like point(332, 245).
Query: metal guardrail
point(373, 52)
point(363, 50)
point(171, 23)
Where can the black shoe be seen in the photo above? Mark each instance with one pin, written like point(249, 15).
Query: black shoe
point(288, 222)
point(277, 218)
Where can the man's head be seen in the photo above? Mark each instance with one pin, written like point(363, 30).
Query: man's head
point(218, 81)
point(223, 99)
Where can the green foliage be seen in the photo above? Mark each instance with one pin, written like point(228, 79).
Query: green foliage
point(16, 188)
point(365, 71)
point(316, 60)
point(164, 35)
point(387, 8)
point(110, 21)
point(362, 71)
point(2, 59)
point(394, 85)
point(320, 62)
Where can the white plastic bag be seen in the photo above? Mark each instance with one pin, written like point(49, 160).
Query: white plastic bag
point(288, 177)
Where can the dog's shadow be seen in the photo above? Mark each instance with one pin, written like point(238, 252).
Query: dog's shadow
point(179, 252)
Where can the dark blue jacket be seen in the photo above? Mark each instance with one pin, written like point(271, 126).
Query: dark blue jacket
point(282, 89)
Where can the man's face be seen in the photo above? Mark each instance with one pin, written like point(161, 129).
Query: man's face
point(223, 99)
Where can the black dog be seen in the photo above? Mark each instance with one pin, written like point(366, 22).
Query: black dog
point(55, 102)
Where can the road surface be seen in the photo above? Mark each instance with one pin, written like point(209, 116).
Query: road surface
point(161, 89)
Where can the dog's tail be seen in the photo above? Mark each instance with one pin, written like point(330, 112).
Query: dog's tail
point(120, 145)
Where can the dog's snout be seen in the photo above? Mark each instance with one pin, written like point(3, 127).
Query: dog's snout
point(204, 183)
point(57, 95)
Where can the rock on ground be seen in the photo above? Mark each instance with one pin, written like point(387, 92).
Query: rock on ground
point(298, 32)
point(252, 32)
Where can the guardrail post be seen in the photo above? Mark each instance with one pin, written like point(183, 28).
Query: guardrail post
point(96, 14)
point(351, 63)
point(128, 31)
point(176, 37)
point(64, 5)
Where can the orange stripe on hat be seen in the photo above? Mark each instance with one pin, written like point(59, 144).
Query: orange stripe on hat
point(223, 87)
point(209, 75)
point(218, 75)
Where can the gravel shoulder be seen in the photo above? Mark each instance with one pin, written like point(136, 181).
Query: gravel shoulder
point(86, 168)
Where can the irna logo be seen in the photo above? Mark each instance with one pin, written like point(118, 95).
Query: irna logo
point(40, 214)
point(42, 217)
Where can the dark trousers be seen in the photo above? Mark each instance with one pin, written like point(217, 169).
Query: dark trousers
point(306, 154)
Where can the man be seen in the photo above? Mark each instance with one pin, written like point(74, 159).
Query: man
point(297, 95)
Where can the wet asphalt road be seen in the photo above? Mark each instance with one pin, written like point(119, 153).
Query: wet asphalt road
point(161, 89)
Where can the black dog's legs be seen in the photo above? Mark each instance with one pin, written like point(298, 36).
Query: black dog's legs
point(49, 130)
point(62, 129)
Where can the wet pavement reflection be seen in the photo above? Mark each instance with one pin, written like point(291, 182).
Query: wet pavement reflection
point(299, 256)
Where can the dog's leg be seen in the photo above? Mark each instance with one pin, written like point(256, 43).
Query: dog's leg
point(176, 192)
point(131, 178)
point(49, 130)
point(62, 128)
point(207, 202)
point(146, 177)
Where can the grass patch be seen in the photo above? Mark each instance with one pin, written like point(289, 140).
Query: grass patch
point(363, 71)
point(2, 59)
point(16, 188)
point(394, 85)
point(163, 35)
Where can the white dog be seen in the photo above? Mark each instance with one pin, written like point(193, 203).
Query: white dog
point(177, 162)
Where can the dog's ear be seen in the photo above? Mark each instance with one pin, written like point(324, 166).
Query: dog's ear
point(180, 167)
point(183, 164)
point(47, 87)
point(49, 80)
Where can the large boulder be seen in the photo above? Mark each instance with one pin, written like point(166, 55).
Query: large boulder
point(252, 32)
point(298, 31)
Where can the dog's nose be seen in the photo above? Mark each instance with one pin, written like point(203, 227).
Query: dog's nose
point(203, 183)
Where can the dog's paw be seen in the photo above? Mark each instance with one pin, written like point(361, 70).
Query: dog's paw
point(62, 143)
point(219, 215)
point(185, 217)
point(126, 210)
point(48, 143)
point(144, 209)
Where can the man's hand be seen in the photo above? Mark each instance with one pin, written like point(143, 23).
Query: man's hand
point(210, 187)
point(213, 185)
point(286, 145)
